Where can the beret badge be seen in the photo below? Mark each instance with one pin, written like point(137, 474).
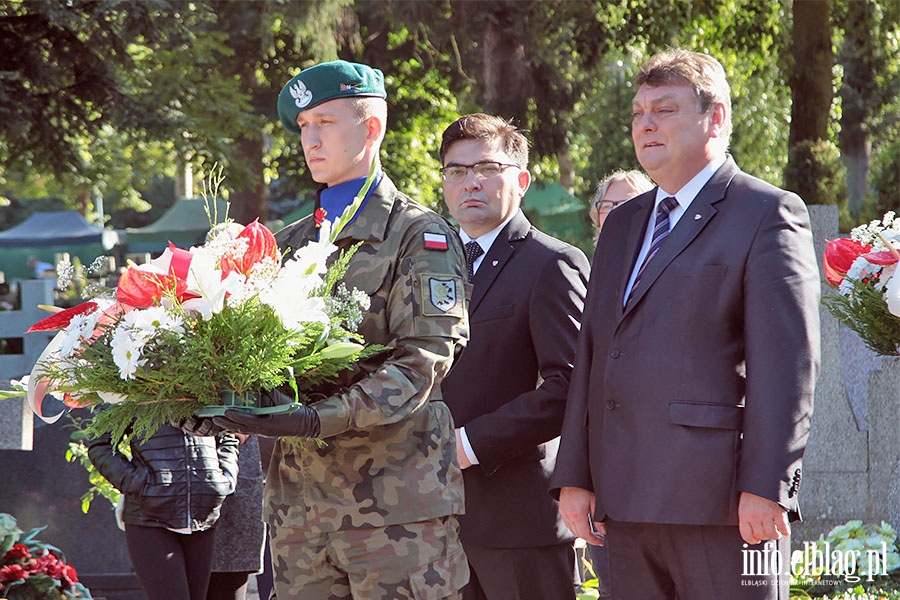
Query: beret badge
point(302, 96)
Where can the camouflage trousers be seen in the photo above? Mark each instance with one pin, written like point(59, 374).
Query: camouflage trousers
point(415, 561)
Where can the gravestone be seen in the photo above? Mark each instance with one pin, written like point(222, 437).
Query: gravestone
point(41, 488)
point(46, 491)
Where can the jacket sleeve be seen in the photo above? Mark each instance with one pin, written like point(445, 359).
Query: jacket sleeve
point(555, 307)
point(572, 459)
point(124, 475)
point(228, 449)
point(421, 309)
point(781, 329)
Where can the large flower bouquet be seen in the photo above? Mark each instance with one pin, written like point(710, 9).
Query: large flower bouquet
point(863, 268)
point(30, 568)
point(205, 327)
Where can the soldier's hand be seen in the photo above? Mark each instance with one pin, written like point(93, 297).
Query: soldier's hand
point(301, 421)
point(195, 425)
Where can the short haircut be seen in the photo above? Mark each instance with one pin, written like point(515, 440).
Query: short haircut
point(490, 128)
point(701, 72)
point(366, 107)
point(634, 179)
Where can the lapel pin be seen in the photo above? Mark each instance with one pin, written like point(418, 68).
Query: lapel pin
point(494, 264)
point(697, 217)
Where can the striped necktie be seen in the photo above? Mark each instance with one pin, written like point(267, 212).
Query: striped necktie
point(660, 231)
point(473, 251)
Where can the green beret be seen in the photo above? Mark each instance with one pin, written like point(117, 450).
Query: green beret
point(327, 81)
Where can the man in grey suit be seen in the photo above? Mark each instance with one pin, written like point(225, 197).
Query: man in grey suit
point(507, 392)
point(691, 399)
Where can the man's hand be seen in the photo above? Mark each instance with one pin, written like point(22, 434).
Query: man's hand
point(761, 519)
point(195, 425)
point(302, 421)
point(576, 505)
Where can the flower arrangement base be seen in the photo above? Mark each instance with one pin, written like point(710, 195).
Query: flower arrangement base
point(248, 402)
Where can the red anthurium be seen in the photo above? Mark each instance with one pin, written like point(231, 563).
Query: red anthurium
point(260, 244)
point(883, 258)
point(839, 256)
point(179, 261)
point(143, 288)
point(61, 319)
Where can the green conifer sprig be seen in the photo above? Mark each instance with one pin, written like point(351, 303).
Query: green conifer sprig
point(865, 312)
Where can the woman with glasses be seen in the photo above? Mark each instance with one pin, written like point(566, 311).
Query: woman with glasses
point(616, 188)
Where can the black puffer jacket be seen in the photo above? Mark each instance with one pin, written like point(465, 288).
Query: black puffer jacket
point(173, 480)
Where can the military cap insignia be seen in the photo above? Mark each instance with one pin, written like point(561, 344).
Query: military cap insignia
point(435, 241)
point(302, 96)
point(350, 87)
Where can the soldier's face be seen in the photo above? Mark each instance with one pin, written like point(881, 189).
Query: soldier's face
point(335, 142)
point(480, 204)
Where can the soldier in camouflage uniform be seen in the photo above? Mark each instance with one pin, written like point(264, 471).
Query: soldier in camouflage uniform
point(371, 513)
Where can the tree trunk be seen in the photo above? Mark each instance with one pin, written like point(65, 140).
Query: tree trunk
point(252, 200)
point(858, 59)
point(810, 81)
point(506, 87)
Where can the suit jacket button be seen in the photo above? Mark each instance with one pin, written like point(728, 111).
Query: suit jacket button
point(614, 353)
point(611, 405)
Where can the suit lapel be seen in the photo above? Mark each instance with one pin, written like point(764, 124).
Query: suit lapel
point(700, 212)
point(498, 257)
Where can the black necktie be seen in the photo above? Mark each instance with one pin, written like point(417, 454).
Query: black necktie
point(473, 251)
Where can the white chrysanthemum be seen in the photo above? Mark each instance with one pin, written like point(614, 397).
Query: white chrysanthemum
point(150, 320)
point(80, 328)
point(126, 350)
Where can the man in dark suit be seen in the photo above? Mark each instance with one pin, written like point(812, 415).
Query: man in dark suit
point(507, 393)
point(692, 394)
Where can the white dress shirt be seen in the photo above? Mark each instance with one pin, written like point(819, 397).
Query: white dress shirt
point(684, 196)
point(485, 241)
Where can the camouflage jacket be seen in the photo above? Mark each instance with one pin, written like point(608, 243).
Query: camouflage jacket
point(389, 455)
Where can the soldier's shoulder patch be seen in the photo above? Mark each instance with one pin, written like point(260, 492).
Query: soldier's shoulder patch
point(442, 295)
point(434, 241)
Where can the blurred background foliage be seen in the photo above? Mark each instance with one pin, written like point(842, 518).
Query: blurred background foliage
point(115, 100)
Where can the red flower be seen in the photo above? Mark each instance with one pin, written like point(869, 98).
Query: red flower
point(69, 575)
point(883, 258)
point(260, 244)
point(319, 216)
point(61, 319)
point(11, 573)
point(144, 288)
point(49, 564)
point(839, 256)
point(17, 551)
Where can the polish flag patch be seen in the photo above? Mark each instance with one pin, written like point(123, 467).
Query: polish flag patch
point(435, 241)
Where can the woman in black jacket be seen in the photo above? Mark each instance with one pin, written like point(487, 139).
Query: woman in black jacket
point(173, 486)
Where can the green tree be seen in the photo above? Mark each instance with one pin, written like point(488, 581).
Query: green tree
point(86, 103)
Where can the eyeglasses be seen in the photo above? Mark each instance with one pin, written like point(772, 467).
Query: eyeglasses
point(483, 170)
point(607, 205)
